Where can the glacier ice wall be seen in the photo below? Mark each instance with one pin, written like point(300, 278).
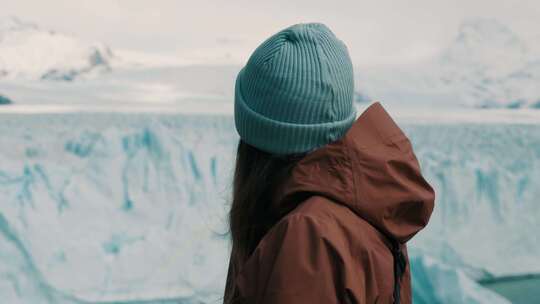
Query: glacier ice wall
point(487, 181)
point(102, 208)
point(131, 208)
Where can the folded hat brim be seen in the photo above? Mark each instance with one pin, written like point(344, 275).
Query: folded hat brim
point(279, 137)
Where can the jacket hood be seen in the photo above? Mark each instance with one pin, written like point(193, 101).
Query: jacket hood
point(372, 170)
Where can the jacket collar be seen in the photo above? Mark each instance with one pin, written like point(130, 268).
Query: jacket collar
point(372, 170)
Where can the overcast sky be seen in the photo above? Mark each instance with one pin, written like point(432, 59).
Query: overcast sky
point(380, 31)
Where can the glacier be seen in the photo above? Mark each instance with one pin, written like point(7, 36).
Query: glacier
point(120, 205)
point(131, 207)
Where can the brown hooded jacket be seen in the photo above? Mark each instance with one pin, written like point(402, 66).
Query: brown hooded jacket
point(344, 206)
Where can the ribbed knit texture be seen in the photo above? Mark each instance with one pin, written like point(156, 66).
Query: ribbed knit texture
point(296, 91)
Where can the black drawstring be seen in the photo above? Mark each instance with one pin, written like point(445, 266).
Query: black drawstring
point(399, 268)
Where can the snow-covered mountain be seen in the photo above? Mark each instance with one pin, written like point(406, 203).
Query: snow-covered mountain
point(491, 66)
point(486, 65)
point(30, 52)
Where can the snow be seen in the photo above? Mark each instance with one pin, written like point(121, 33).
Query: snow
point(125, 207)
point(29, 52)
point(487, 65)
point(493, 66)
point(130, 87)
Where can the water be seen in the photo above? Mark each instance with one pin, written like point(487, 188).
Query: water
point(523, 289)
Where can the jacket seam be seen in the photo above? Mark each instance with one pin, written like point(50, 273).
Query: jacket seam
point(353, 175)
point(318, 221)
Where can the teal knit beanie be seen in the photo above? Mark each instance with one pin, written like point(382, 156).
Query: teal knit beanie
point(295, 93)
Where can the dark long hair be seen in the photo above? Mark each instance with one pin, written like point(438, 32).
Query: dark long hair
point(257, 175)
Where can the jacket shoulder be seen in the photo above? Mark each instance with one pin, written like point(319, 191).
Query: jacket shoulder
point(359, 247)
point(320, 245)
point(341, 224)
point(322, 208)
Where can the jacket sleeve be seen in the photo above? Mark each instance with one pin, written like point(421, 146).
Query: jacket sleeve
point(294, 263)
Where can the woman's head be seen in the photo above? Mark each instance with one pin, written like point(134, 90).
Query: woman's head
point(295, 94)
point(296, 91)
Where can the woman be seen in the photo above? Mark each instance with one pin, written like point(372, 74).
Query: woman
point(323, 202)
